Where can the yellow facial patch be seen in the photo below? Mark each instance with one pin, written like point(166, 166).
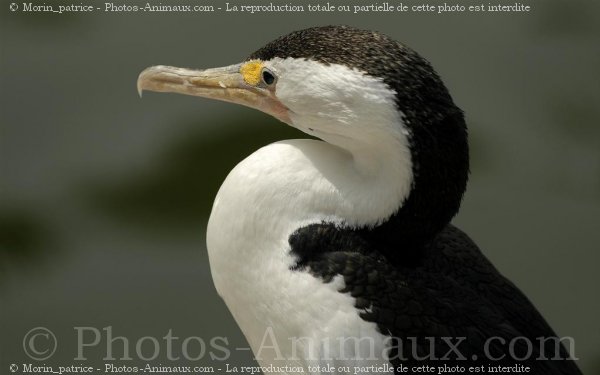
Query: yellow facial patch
point(251, 72)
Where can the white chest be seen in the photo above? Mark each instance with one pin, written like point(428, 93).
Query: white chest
point(276, 190)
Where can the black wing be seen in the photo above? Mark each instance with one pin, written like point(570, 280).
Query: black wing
point(447, 305)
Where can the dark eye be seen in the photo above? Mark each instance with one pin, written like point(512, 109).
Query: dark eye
point(268, 77)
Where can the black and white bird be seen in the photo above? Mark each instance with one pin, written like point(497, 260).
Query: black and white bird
point(338, 254)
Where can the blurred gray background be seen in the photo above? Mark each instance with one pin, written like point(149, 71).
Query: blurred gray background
point(105, 196)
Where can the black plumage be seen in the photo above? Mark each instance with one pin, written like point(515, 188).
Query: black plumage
point(450, 290)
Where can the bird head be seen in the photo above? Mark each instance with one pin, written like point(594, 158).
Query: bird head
point(327, 82)
point(356, 89)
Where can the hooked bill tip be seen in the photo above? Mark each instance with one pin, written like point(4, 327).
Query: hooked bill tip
point(140, 83)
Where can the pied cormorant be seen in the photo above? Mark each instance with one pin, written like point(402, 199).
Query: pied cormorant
point(337, 255)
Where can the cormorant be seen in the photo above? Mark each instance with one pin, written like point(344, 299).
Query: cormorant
point(337, 255)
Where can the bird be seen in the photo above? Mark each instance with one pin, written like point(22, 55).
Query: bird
point(336, 253)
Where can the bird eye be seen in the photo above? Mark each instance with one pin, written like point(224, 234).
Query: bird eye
point(268, 77)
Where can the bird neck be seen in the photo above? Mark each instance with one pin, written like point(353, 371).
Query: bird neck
point(370, 168)
point(378, 156)
point(440, 165)
point(420, 172)
point(359, 179)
